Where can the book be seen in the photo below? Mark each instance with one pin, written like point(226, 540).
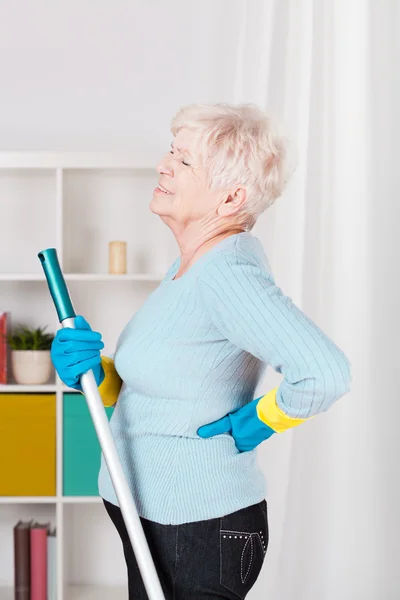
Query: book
point(4, 351)
point(51, 565)
point(22, 561)
point(39, 561)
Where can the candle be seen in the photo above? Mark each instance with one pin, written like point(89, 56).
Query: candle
point(117, 258)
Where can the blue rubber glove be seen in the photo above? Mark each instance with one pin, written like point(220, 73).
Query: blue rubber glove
point(76, 351)
point(243, 424)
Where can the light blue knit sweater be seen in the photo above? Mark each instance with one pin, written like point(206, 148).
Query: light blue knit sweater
point(195, 351)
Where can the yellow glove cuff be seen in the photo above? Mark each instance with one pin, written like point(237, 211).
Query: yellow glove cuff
point(110, 387)
point(269, 413)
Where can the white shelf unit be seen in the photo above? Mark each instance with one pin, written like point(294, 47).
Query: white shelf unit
point(76, 203)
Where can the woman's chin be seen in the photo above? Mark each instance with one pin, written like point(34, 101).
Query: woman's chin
point(157, 207)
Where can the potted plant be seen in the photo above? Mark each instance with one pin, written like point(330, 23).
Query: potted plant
point(30, 355)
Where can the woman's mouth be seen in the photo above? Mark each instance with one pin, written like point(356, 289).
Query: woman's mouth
point(161, 190)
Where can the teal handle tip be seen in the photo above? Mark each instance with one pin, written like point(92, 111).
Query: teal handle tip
point(56, 283)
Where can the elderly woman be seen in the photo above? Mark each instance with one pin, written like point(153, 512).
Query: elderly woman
point(187, 364)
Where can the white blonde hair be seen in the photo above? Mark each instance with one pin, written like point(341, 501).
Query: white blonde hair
point(240, 145)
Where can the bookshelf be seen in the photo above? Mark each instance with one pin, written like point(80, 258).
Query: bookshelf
point(77, 203)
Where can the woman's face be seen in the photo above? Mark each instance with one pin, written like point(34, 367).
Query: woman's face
point(183, 194)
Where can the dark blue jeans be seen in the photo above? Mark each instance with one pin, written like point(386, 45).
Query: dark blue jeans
point(204, 560)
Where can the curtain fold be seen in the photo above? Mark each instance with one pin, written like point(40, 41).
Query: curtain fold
point(329, 72)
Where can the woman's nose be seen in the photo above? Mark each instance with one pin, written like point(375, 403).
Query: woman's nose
point(165, 166)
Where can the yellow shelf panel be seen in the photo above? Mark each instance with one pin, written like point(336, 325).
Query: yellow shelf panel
point(28, 444)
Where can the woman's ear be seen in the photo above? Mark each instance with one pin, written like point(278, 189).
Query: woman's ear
point(239, 196)
point(232, 202)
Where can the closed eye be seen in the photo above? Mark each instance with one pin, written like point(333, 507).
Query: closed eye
point(183, 162)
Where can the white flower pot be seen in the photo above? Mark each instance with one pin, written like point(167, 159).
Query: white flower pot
point(31, 366)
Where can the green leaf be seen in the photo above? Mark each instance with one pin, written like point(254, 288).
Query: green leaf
point(30, 338)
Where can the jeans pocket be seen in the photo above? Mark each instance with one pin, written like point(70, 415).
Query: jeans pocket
point(243, 545)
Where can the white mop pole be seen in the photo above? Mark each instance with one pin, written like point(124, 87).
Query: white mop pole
point(129, 512)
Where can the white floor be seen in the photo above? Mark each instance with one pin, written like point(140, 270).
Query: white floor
point(95, 593)
point(80, 593)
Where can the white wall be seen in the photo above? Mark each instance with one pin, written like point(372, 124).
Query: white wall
point(108, 75)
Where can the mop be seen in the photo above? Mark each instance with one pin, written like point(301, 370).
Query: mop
point(66, 316)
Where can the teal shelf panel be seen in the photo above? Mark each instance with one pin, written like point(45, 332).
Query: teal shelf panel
point(81, 448)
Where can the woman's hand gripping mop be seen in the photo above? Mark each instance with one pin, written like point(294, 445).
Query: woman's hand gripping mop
point(66, 316)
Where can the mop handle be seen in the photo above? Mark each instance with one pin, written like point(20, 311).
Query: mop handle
point(66, 316)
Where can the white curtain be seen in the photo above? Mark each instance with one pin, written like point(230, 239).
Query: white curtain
point(329, 70)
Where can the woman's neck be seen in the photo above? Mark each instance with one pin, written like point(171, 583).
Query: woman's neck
point(194, 249)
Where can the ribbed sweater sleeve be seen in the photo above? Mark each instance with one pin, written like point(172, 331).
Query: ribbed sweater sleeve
point(252, 312)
